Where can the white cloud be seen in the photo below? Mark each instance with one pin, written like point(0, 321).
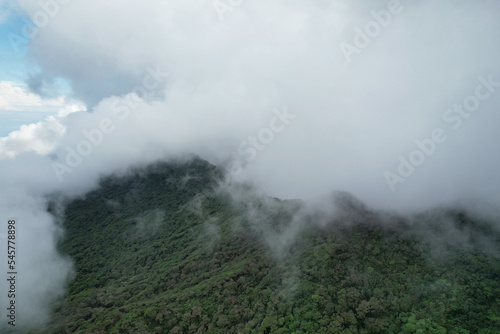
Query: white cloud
point(15, 97)
point(353, 121)
point(41, 136)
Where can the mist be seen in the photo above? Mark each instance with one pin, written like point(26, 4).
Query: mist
point(396, 102)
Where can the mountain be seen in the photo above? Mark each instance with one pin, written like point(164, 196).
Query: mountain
point(174, 248)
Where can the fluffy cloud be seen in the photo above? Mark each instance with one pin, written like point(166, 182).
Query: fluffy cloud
point(39, 137)
point(361, 111)
point(18, 103)
point(358, 114)
point(14, 97)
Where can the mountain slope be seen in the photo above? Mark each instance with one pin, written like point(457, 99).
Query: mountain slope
point(170, 248)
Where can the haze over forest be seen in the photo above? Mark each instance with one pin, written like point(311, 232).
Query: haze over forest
point(393, 105)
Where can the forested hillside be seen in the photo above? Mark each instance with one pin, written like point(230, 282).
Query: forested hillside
point(169, 248)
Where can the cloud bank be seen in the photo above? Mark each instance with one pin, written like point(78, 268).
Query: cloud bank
point(359, 114)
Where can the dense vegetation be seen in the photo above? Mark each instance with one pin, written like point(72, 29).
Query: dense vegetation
point(157, 251)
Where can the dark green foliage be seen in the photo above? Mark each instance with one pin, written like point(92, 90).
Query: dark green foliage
point(157, 252)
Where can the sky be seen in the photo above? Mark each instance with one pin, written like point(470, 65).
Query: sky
point(18, 105)
point(397, 102)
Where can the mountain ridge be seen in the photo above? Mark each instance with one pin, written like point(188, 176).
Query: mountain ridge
point(172, 248)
